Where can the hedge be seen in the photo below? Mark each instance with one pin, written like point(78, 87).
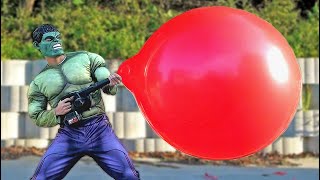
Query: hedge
point(119, 28)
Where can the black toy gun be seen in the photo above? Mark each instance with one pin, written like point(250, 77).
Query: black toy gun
point(81, 102)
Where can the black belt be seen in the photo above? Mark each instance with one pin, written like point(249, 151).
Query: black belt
point(85, 122)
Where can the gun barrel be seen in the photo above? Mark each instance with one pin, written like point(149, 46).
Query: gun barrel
point(88, 90)
point(94, 87)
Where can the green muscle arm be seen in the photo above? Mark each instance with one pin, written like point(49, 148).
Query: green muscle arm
point(37, 108)
point(98, 66)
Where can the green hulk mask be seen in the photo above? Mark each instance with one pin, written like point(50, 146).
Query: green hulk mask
point(50, 45)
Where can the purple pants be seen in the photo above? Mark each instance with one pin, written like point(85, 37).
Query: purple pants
point(93, 137)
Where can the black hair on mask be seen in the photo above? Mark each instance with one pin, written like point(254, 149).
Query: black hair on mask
point(38, 32)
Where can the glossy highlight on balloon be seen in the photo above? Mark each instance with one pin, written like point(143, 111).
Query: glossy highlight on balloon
point(215, 82)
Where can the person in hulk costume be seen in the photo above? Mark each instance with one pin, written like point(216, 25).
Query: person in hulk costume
point(92, 135)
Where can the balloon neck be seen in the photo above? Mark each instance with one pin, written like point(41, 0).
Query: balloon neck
point(128, 71)
point(124, 69)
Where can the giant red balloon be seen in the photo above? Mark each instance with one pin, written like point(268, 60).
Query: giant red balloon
point(215, 82)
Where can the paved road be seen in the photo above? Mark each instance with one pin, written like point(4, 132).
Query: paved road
point(83, 170)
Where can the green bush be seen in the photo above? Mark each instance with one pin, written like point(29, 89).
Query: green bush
point(113, 32)
point(304, 38)
point(119, 28)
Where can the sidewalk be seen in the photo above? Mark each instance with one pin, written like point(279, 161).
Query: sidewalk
point(87, 169)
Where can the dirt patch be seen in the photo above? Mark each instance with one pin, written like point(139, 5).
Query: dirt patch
point(258, 159)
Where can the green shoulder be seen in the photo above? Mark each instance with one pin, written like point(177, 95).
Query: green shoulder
point(92, 56)
point(38, 76)
point(75, 53)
